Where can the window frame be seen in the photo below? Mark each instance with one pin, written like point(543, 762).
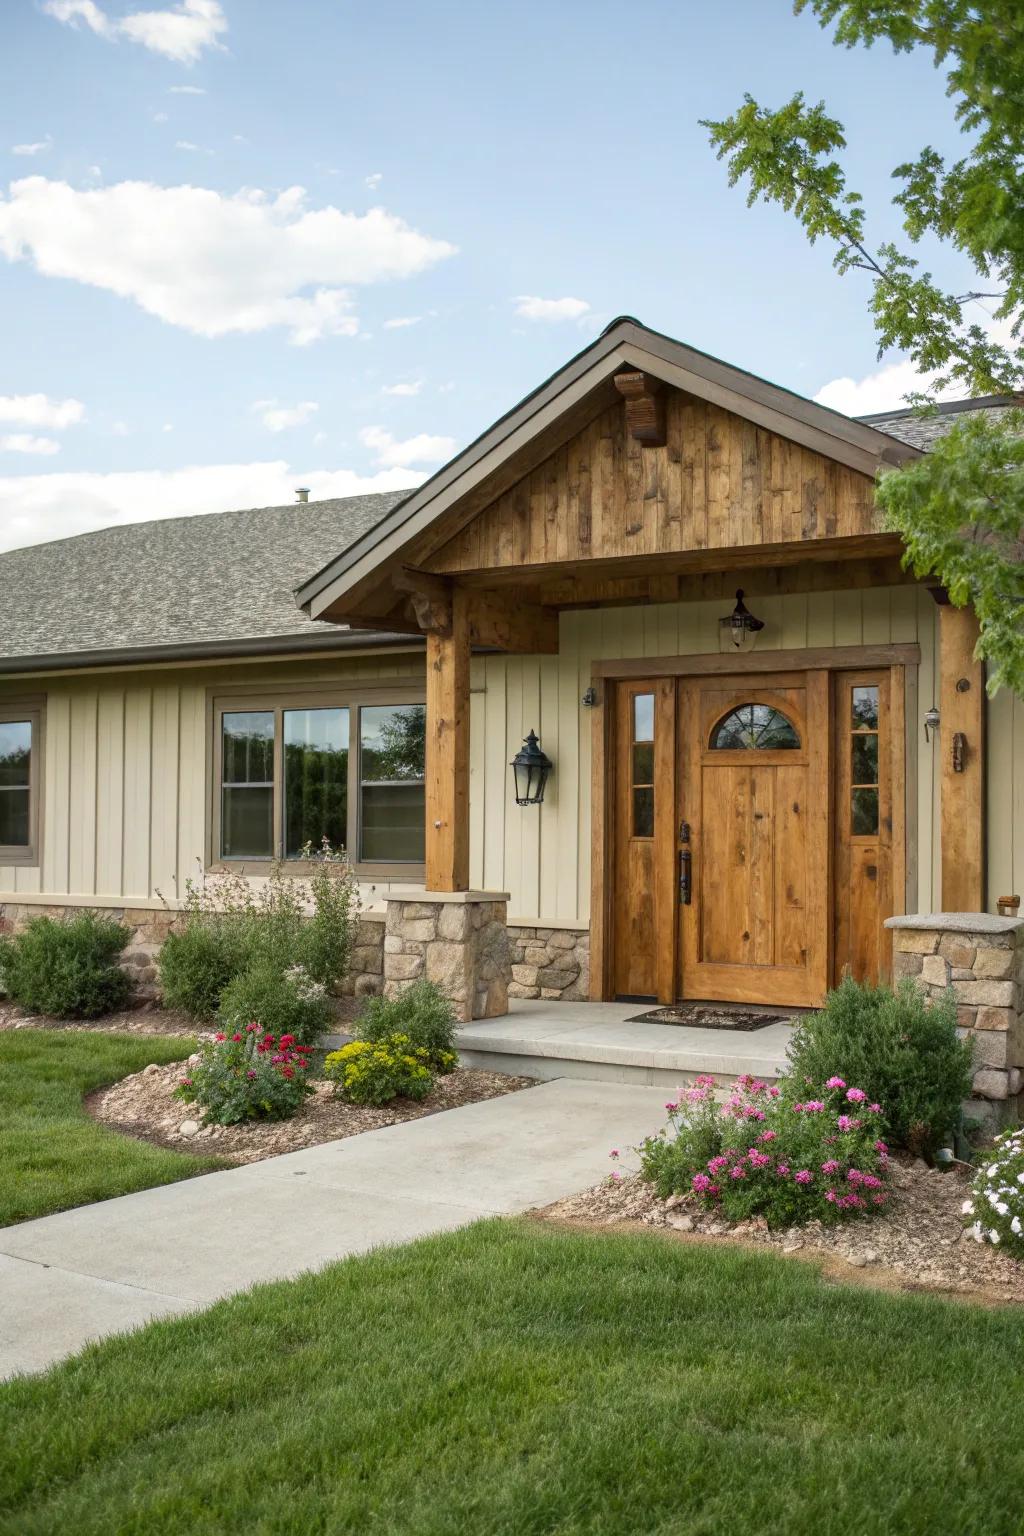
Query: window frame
point(222, 701)
point(33, 709)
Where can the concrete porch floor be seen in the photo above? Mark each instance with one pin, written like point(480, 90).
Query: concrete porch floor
point(596, 1041)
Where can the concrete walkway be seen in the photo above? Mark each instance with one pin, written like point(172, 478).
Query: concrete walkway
point(105, 1268)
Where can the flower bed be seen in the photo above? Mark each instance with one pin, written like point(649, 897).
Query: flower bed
point(144, 1105)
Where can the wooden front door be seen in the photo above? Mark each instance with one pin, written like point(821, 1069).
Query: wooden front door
point(753, 797)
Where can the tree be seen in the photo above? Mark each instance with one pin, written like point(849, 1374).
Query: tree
point(960, 508)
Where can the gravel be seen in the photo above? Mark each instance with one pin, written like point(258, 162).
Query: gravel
point(918, 1243)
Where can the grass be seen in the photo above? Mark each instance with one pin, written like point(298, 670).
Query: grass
point(52, 1153)
point(522, 1380)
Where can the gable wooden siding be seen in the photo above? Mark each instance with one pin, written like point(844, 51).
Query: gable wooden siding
point(719, 482)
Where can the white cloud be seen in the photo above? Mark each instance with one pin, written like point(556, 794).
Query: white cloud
point(403, 389)
point(374, 180)
point(34, 508)
point(197, 149)
point(400, 322)
point(211, 263)
point(32, 149)
point(394, 454)
point(160, 117)
point(41, 411)
point(181, 32)
point(319, 437)
point(531, 308)
point(26, 442)
point(186, 90)
point(279, 417)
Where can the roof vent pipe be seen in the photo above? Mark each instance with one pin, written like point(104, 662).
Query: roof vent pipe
point(302, 493)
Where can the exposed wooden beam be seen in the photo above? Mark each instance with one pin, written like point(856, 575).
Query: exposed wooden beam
point(447, 753)
point(961, 745)
point(645, 407)
point(430, 598)
point(510, 622)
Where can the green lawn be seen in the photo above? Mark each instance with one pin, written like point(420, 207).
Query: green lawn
point(53, 1155)
point(521, 1380)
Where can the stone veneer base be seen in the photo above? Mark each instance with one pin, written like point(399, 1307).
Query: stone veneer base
point(981, 959)
point(457, 940)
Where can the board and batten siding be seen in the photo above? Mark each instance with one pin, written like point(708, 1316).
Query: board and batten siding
point(542, 855)
point(126, 758)
point(125, 774)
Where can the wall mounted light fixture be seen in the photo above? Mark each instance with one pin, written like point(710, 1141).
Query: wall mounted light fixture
point(530, 769)
point(739, 630)
point(931, 723)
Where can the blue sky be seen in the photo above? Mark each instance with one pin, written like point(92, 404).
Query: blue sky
point(199, 346)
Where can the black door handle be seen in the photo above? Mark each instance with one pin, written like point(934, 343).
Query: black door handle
point(684, 877)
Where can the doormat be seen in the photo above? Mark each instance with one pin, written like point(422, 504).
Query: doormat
point(707, 1016)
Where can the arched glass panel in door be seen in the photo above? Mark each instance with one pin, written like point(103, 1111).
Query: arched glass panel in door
point(754, 727)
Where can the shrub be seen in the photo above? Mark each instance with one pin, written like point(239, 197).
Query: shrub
point(196, 964)
point(997, 1197)
point(283, 1003)
point(901, 1049)
point(377, 1071)
point(421, 1012)
point(248, 1076)
point(68, 968)
point(231, 926)
point(765, 1152)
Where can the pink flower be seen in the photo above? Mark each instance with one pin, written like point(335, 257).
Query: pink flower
point(782, 1170)
point(804, 1176)
point(814, 1106)
point(856, 1095)
point(615, 1174)
point(614, 1152)
point(250, 1027)
point(701, 1183)
point(844, 1122)
point(717, 1164)
point(830, 1167)
point(835, 1082)
point(876, 1109)
point(830, 1196)
point(739, 1172)
point(881, 1148)
point(220, 1037)
point(705, 1080)
point(251, 1076)
point(767, 1135)
point(798, 1109)
point(774, 1092)
point(758, 1159)
point(671, 1107)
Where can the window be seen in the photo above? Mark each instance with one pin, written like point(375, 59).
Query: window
point(864, 761)
point(642, 764)
point(20, 751)
point(754, 727)
point(292, 772)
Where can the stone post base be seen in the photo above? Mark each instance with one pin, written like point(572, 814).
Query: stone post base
point(981, 958)
point(459, 941)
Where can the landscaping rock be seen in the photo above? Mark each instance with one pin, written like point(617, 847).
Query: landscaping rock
point(188, 1128)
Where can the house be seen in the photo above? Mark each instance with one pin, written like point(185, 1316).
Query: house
point(742, 789)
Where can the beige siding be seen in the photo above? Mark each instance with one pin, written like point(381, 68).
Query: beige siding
point(126, 769)
point(542, 856)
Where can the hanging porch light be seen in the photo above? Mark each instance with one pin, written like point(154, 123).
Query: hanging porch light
point(739, 630)
point(530, 769)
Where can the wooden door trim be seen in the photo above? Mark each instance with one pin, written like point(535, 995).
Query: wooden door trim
point(828, 658)
point(602, 794)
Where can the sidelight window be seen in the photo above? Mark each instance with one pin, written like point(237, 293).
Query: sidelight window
point(864, 762)
point(642, 764)
point(754, 727)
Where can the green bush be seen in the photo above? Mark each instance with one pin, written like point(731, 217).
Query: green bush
point(423, 1014)
point(231, 927)
point(250, 1076)
point(281, 1002)
point(377, 1071)
point(67, 969)
point(902, 1050)
point(197, 963)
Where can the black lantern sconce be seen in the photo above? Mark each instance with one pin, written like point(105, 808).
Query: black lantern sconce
point(530, 768)
point(739, 629)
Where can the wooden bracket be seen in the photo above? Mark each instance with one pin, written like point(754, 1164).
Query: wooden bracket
point(430, 598)
point(645, 407)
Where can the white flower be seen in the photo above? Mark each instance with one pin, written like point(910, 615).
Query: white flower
point(976, 1232)
point(993, 1236)
point(993, 1170)
point(967, 1208)
point(1015, 1226)
point(1002, 1209)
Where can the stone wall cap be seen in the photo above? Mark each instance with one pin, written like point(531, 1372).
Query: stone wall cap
point(429, 897)
point(956, 922)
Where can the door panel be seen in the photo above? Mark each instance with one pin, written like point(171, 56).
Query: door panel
point(644, 895)
point(863, 824)
point(755, 792)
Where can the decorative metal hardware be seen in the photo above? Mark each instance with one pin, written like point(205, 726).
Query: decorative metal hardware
point(589, 698)
point(931, 723)
point(959, 751)
point(739, 629)
point(685, 882)
point(963, 685)
point(530, 769)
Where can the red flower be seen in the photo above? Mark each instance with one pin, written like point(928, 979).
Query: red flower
point(250, 1027)
point(220, 1037)
point(237, 1039)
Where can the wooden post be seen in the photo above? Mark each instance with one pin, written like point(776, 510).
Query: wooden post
point(961, 747)
point(447, 752)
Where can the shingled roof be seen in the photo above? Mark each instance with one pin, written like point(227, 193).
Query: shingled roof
point(212, 585)
point(923, 431)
